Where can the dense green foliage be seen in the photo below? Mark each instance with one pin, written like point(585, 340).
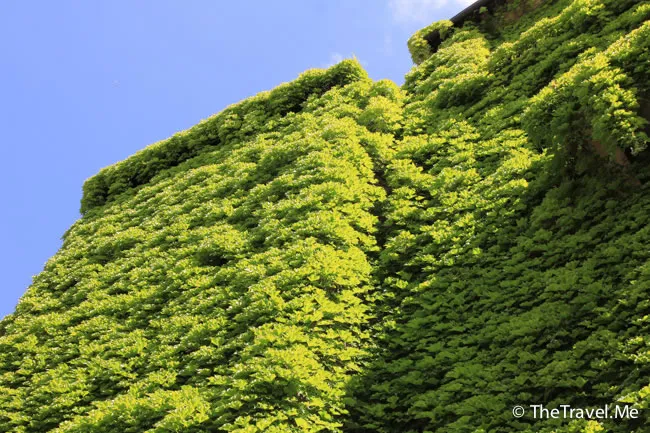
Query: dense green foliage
point(241, 120)
point(345, 255)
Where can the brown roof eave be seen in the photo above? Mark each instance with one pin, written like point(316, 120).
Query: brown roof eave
point(461, 16)
point(459, 19)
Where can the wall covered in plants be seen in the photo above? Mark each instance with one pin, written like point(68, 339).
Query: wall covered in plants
point(343, 255)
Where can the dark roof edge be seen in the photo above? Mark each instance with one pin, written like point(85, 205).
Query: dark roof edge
point(459, 19)
point(461, 16)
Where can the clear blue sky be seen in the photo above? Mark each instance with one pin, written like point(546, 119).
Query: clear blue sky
point(84, 84)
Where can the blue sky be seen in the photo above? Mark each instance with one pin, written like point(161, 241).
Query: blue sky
point(85, 84)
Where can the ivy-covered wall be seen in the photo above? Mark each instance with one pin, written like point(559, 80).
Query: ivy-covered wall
point(515, 270)
point(343, 255)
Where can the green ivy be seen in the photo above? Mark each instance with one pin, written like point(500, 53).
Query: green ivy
point(343, 255)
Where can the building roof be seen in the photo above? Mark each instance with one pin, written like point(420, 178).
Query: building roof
point(461, 16)
point(459, 19)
